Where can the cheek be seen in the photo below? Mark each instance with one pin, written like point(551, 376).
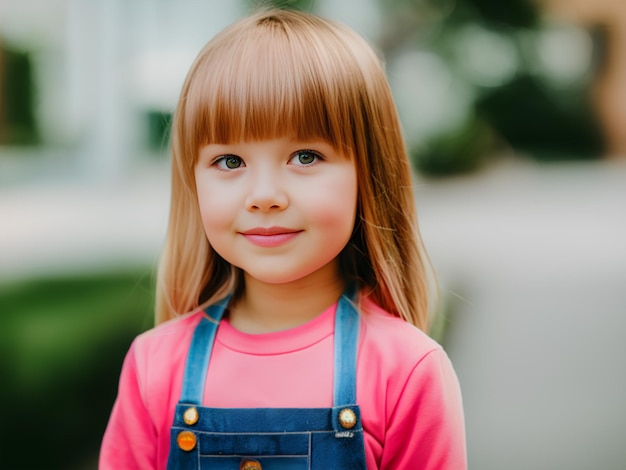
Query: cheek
point(214, 212)
point(337, 209)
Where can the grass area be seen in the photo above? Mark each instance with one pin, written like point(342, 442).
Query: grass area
point(62, 343)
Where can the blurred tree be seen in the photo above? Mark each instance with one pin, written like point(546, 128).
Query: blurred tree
point(511, 14)
point(461, 151)
point(510, 102)
point(17, 116)
point(302, 5)
point(159, 127)
point(532, 119)
point(62, 342)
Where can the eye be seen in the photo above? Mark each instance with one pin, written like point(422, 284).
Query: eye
point(305, 157)
point(228, 162)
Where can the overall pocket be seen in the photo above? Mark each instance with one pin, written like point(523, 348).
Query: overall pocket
point(266, 451)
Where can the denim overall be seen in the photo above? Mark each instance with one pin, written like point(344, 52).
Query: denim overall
point(269, 438)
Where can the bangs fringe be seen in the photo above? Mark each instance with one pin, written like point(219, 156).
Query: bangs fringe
point(284, 81)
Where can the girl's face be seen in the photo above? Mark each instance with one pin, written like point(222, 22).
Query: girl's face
point(278, 209)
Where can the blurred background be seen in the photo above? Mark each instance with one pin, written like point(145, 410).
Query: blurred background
point(515, 115)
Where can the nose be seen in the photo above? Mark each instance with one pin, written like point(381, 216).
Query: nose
point(266, 193)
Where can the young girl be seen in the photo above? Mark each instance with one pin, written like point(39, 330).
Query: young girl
point(293, 285)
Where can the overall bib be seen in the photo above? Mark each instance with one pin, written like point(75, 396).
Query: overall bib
point(269, 438)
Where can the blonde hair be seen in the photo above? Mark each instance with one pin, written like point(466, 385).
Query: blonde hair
point(280, 73)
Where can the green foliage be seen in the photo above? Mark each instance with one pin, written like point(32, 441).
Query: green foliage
point(529, 113)
point(17, 97)
point(159, 129)
point(62, 342)
point(461, 151)
point(533, 118)
point(512, 13)
point(301, 5)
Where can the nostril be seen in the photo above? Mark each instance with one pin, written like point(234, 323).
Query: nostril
point(267, 204)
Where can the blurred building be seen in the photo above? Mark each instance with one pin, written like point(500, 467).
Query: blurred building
point(103, 75)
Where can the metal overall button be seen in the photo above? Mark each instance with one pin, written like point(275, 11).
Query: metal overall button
point(347, 418)
point(186, 440)
point(247, 464)
point(190, 416)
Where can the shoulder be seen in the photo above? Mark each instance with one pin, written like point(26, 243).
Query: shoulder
point(160, 353)
point(393, 337)
point(394, 354)
point(165, 344)
point(169, 334)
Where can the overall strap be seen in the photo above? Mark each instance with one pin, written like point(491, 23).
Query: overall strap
point(199, 353)
point(346, 347)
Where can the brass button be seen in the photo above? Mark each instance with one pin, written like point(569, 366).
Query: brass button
point(186, 440)
point(347, 418)
point(250, 465)
point(190, 416)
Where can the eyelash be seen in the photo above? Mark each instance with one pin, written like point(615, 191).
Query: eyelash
point(317, 157)
point(221, 162)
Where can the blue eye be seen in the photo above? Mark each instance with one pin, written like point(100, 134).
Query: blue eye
point(305, 157)
point(229, 162)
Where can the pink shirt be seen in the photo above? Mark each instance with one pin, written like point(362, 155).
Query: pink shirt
point(407, 390)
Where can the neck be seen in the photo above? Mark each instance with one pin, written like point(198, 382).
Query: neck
point(266, 308)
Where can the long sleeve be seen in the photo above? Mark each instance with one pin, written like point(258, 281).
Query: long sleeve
point(426, 428)
point(130, 439)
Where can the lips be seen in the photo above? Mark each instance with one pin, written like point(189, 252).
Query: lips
point(269, 237)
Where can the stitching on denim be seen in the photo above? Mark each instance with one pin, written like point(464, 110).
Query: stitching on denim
point(273, 456)
point(276, 433)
